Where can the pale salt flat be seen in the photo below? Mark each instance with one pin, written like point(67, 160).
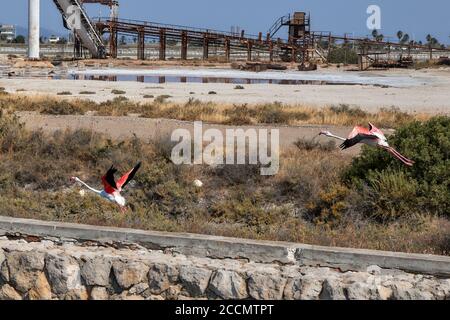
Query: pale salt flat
point(325, 76)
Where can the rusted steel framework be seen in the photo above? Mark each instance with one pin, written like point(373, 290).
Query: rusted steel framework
point(302, 44)
point(187, 35)
point(114, 8)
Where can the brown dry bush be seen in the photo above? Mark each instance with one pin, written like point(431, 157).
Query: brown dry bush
point(193, 109)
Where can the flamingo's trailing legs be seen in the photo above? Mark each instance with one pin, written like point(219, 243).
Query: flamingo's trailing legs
point(112, 188)
point(372, 137)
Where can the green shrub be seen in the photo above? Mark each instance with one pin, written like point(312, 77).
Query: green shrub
point(115, 91)
point(343, 55)
point(162, 98)
point(426, 185)
point(391, 196)
point(64, 93)
point(330, 206)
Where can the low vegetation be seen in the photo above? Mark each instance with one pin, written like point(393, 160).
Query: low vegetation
point(345, 55)
point(320, 196)
point(64, 93)
point(118, 92)
point(194, 109)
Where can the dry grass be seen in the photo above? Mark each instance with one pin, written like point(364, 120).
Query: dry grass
point(160, 107)
point(306, 202)
point(236, 201)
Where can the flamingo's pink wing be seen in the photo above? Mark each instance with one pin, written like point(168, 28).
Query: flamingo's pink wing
point(357, 131)
point(108, 188)
point(356, 136)
point(123, 181)
point(374, 129)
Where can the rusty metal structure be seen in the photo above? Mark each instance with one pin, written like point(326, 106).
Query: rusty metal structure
point(302, 44)
point(190, 36)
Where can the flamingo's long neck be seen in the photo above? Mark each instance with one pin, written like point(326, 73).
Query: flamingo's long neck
point(336, 137)
point(89, 187)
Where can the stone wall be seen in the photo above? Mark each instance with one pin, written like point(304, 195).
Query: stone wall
point(36, 267)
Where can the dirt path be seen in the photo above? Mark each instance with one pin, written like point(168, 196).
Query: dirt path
point(154, 129)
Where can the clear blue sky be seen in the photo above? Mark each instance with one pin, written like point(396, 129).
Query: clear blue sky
point(417, 17)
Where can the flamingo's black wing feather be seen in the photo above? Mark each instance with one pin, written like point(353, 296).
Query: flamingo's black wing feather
point(354, 141)
point(132, 174)
point(109, 177)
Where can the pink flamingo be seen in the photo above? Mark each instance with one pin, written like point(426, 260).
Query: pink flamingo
point(112, 188)
point(373, 137)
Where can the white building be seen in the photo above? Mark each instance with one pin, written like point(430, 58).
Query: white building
point(54, 39)
point(7, 32)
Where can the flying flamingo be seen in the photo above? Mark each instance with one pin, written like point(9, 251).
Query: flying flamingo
point(372, 137)
point(112, 188)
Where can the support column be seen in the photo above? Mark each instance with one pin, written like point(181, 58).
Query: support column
point(33, 29)
point(141, 44)
point(162, 44)
point(249, 50)
point(113, 40)
point(184, 45)
point(271, 51)
point(227, 49)
point(329, 47)
point(294, 54)
point(77, 47)
point(205, 47)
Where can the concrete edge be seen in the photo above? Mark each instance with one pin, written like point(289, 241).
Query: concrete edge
point(229, 248)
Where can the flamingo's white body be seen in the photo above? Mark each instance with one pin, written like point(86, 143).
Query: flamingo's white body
point(373, 137)
point(112, 189)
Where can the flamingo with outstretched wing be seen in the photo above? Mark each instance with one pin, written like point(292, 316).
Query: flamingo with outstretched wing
point(373, 137)
point(111, 188)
